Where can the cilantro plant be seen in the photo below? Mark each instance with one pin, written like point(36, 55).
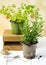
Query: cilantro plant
point(20, 15)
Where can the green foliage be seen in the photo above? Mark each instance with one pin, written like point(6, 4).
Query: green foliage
point(9, 11)
point(20, 15)
point(23, 12)
point(32, 33)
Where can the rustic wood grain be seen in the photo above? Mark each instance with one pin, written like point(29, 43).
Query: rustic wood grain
point(8, 37)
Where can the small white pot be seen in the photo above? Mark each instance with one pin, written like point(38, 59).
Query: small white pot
point(29, 51)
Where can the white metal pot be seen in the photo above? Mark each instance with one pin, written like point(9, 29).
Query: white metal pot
point(29, 51)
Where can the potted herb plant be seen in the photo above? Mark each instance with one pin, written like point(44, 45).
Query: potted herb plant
point(14, 17)
point(17, 18)
point(31, 34)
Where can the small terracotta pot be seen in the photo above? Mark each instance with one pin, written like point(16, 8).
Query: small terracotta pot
point(29, 51)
